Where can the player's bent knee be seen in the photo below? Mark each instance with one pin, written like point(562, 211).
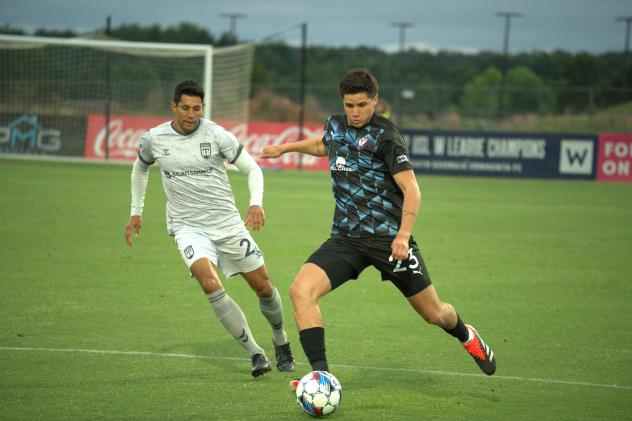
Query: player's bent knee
point(208, 281)
point(263, 289)
point(210, 285)
point(301, 291)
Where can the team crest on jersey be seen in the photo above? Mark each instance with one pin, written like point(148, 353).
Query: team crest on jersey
point(205, 150)
point(188, 252)
point(362, 142)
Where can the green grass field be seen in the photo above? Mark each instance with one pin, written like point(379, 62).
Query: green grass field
point(91, 329)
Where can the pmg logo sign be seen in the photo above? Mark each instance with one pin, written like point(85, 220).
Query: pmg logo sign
point(26, 135)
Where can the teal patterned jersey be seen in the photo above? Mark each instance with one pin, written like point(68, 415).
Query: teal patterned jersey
point(362, 162)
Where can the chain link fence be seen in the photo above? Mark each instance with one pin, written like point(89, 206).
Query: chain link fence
point(566, 109)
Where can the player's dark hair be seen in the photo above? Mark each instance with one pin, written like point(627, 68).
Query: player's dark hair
point(190, 88)
point(356, 81)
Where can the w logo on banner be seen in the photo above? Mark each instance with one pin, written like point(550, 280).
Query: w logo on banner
point(576, 157)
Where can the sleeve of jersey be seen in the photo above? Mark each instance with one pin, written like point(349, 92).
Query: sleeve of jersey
point(395, 154)
point(140, 175)
point(247, 165)
point(144, 153)
point(229, 146)
point(327, 135)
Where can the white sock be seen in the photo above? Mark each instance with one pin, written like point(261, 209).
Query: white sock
point(272, 309)
point(232, 318)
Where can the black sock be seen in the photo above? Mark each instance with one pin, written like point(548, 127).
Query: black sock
point(459, 331)
point(313, 341)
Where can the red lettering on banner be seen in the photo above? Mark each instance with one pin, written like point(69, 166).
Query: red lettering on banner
point(127, 131)
point(614, 162)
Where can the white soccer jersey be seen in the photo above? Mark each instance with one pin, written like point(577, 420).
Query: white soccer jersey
point(194, 175)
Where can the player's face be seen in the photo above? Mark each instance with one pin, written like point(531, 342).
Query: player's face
point(188, 112)
point(359, 108)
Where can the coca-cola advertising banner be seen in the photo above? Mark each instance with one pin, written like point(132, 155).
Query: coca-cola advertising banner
point(126, 132)
point(262, 133)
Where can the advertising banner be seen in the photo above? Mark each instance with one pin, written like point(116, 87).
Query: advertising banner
point(261, 133)
point(126, 132)
point(615, 157)
point(124, 137)
point(35, 134)
point(502, 154)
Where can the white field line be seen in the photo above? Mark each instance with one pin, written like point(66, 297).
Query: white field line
point(350, 366)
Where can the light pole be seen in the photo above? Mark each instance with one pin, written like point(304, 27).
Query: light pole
point(626, 49)
point(402, 32)
point(402, 41)
point(233, 21)
point(301, 89)
point(501, 94)
point(627, 20)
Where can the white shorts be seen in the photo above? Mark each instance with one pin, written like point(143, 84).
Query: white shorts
point(232, 254)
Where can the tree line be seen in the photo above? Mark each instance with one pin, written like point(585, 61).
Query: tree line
point(538, 81)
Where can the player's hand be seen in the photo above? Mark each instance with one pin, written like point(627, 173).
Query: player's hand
point(271, 151)
point(399, 247)
point(256, 218)
point(133, 226)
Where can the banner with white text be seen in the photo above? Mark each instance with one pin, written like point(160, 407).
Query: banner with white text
point(503, 154)
point(604, 157)
point(33, 134)
point(615, 157)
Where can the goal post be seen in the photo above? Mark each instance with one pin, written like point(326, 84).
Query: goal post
point(52, 88)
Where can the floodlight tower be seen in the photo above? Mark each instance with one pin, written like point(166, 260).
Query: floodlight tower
point(627, 20)
point(626, 52)
point(402, 32)
point(501, 94)
point(402, 41)
point(233, 21)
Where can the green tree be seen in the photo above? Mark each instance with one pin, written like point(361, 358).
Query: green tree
point(480, 97)
point(9, 30)
point(526, 92)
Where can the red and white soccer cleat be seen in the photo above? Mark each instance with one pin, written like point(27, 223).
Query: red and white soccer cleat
point(482, 354)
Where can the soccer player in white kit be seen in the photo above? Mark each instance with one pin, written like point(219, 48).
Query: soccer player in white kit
point(203, 219)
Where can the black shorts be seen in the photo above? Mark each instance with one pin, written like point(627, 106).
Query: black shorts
point(345, 258)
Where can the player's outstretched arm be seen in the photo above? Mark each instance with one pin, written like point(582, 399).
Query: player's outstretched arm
point(312, 146)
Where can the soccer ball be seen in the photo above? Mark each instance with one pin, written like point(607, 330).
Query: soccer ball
point(319, 393)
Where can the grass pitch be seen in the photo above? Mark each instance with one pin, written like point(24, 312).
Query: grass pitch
point(91, 329)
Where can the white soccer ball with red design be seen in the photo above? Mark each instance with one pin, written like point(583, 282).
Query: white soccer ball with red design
point(319, 393)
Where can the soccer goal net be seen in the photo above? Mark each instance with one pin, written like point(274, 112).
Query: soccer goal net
point(95, 97)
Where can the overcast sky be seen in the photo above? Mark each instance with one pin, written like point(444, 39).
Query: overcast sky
point(465, 25)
